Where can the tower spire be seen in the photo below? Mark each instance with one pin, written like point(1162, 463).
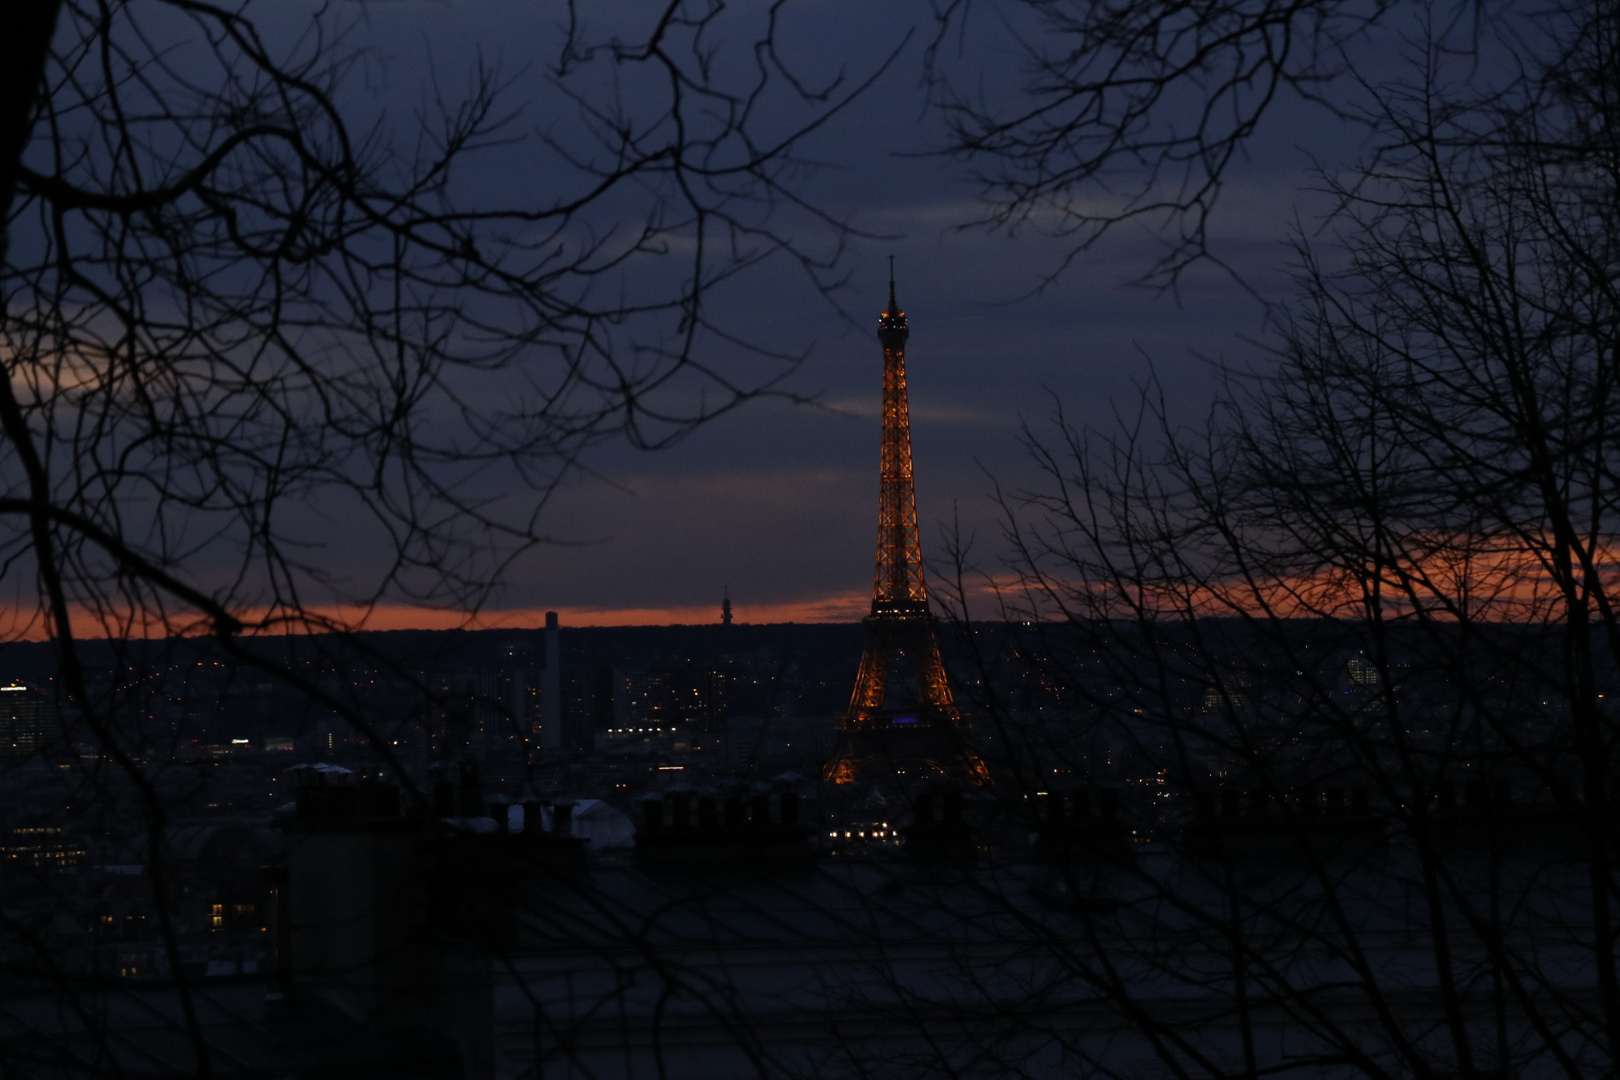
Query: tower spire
point(925, 734)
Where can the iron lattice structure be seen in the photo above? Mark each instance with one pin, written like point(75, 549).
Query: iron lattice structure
point(928, 737)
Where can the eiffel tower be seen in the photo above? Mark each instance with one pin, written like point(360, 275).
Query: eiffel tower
point(924, 737)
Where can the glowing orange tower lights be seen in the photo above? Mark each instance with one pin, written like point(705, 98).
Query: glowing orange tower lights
point(925, 734)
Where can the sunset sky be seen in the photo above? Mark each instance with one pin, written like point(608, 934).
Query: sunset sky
point(778, 500)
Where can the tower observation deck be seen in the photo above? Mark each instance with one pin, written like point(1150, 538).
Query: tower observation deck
point(919, 733)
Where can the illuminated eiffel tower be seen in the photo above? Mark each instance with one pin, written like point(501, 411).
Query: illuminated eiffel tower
point(924, 736)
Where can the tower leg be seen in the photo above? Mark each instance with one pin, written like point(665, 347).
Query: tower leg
point(871, 683)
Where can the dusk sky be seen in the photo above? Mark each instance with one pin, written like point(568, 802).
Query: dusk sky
point(778, 500)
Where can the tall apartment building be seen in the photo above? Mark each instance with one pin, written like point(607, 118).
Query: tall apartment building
point(29, 721)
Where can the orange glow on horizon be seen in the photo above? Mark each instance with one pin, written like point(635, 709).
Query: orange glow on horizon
point(1483, 579)
point(1444, 577)
point(17, 625)
point(850, 608)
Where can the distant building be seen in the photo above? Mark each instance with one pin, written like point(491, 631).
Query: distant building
point(648, 739)
point(587, 706)
point(799, 742)
point(29, 721)
point(689, 696)
point(40, 847)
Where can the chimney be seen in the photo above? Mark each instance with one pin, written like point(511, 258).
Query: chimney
point(652, 813)
point(708, 813)
point(551, 724)
point(501, 810)
point(938, 831)
point(685, 828)
point(444, 798)
point(472, 791)
point(343, 918)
